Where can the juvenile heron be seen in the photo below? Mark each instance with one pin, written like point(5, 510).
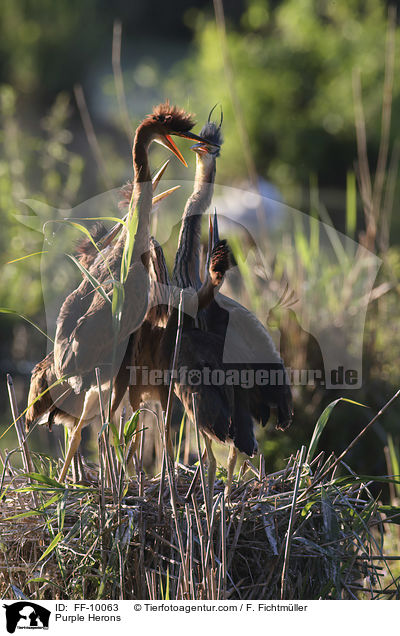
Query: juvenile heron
point(52, 401)
point(246, 342)
point(85, 337)
point(41, 399)
point(154, 346)
point(238, 331)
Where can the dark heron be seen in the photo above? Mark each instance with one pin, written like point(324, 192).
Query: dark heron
point(153, 348)
point(237, 330)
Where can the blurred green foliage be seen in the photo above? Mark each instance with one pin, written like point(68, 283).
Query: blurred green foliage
point(36, 166)
point(292, 63)
point(43, 45)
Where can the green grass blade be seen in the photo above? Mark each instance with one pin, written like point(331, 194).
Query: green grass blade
point(22, 258)
point(116, 442)
point(333, 236)
point(113, 219)
point(167, 587)
point(61, 506)
point(345, 480)
point(131, 426)
point(44, 479)
point(117, 305)
point(395, 461)
point(301, 242)
point(161, 587)
point(86, 232)
point(129, 242)
point(391, 512)
point(322, 422)
point(351, 204)
point(92, 280)
point(181, 429)
point(23, 515)
point(52, 545)
point(5, 310)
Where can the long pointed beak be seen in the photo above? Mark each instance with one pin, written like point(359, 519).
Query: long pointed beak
point(190, 135)
point(215, 229)
point(167, 142)
point(110, 236)
point(163, 195)
point(158, 176)
point(210, 245)
point(201, 148)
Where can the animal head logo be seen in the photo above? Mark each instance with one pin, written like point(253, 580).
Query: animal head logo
point(26, 615)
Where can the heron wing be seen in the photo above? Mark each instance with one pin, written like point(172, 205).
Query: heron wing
point(247, 341)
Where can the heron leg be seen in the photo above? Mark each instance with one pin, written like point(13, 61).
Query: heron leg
point(78, 468)
point(231, 467)
point(74, 442)
point(212, 469)
point(73, 447)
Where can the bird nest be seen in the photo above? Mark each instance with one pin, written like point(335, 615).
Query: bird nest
point(286, 535)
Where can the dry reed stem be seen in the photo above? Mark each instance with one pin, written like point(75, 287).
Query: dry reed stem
point(119, 80)
point(249, 563)
point(91, 134)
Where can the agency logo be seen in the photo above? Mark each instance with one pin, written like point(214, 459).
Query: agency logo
point(26, 615)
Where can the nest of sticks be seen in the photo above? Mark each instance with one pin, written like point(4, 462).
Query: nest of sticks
point(287, 535)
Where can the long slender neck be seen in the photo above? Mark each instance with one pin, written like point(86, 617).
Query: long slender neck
point(186, 271)
point(143, 138)
point(142, 190)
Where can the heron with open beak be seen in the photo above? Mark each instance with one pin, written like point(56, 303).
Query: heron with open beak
point(85, 335)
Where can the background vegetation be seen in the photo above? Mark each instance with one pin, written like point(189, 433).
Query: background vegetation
point(285, 77)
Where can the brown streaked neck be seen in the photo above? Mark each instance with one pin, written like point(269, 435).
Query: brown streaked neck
point(142, 189)
point(187, 260)
point(143, 138)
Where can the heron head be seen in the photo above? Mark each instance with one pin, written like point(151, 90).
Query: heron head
point(167, 120)
point(212, 136)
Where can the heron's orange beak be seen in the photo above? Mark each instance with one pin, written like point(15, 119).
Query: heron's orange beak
point(159, 174)
point(167, 142)
point(201, 148)
point(159, 197)
point(193, 137)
